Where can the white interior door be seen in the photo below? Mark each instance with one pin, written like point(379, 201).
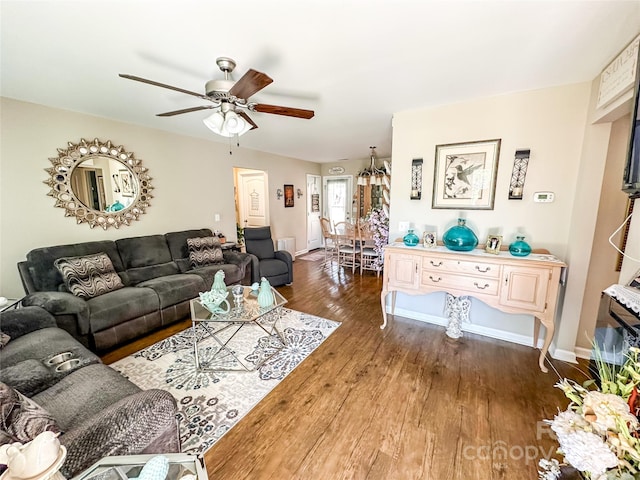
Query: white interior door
point(314, 232)
point(252, 198)
point(338, 198)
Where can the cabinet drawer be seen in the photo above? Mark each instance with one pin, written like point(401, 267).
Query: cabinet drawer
point(444, 280)
point(483, 269)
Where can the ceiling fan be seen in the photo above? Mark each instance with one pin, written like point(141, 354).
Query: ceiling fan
point(229, 99)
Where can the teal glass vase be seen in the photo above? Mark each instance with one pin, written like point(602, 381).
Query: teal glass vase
point(460, 238)
point(519, 248)
point(411, 239)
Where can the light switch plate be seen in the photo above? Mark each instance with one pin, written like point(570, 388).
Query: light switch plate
point(404, 226)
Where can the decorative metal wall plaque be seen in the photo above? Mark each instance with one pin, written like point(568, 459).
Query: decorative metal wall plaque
point(518, 175)
point(416, 179)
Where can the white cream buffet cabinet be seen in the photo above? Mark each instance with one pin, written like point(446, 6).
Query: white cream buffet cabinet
point(511, 284)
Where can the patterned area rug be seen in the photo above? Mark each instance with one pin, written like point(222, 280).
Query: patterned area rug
point(210, 403)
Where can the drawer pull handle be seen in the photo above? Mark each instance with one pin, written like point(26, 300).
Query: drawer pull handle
point(483, 271)
point(431, 262)
point(434, 280)
point(486, 285)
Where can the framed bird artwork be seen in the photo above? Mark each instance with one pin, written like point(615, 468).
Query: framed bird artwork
point(465, 175)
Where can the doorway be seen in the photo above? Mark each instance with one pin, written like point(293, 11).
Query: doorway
point(338, 197)
point(252, 198)
point(314, 232)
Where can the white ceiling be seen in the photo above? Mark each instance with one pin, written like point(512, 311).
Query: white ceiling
point(354, 62)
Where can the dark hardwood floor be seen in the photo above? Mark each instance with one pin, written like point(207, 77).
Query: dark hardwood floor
point(406, 402)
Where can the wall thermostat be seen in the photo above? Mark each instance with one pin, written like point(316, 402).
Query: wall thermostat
point(543, 197)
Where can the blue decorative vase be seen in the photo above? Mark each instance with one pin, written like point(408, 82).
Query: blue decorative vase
point(411, 239)
point(460, 238)
point(265, 295)
point(519, 248)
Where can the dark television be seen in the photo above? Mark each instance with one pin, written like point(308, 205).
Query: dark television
point(631, 179)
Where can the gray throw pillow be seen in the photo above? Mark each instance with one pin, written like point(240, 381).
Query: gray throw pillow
point(21, 418)
point(204, 251)
point(90, 275)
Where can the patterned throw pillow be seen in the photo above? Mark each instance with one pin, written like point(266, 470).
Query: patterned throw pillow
point(4, 339)
point(21, 419)
point(90, 275)
point(204, 251)
point(636, 281)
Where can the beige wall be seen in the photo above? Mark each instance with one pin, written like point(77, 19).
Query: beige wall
point(193, 180)
point(551, 122)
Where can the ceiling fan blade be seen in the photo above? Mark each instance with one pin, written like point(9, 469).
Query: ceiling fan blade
point(184, 110)
point(247, 118)
point(288, 111)
point(158, 84)
point(250, 83)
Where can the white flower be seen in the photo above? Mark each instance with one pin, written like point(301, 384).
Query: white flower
point(607, 409)
point(568, 422)
point(587, 452)
point(550, 469)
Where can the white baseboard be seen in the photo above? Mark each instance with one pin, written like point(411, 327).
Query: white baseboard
point(526, 340)
point(301, 252)
point(583, 352)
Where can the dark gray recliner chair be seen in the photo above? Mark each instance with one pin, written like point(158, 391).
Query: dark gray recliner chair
point(275, 265)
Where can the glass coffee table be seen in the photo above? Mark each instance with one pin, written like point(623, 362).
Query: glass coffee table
point(223, 327)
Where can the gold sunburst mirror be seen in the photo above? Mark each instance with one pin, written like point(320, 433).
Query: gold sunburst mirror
point(99, 184)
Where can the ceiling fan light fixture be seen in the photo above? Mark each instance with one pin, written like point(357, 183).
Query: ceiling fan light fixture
point(234, 124)
point(227, 124)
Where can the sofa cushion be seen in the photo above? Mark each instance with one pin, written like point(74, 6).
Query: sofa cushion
point(177, 241)
point(173, 289)
point(141, 274)
point(273, 267)
point(22, 418)
point(84, 393)
point(143, 251)
point(47, 278)
point(121, 306)
point(204, 251)
point(232, 274)
point(90, 275)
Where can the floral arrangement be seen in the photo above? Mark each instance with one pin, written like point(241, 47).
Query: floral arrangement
point(599, 432)
point(379, 225)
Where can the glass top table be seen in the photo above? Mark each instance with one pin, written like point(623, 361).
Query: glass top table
point(223, 327)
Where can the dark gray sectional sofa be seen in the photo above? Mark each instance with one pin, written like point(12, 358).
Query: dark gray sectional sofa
point(98, 411)
point(158, 283)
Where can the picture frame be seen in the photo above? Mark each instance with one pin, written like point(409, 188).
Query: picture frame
point(429, 240)
point(465, 175)
point(288, 196)
point(494, 242)
point(126, 183)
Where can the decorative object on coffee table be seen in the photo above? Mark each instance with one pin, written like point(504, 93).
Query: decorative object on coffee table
point(265, 295)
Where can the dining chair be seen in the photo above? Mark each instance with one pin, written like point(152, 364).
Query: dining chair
point(368, 254)
point(330, 246)
point(348, 244)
